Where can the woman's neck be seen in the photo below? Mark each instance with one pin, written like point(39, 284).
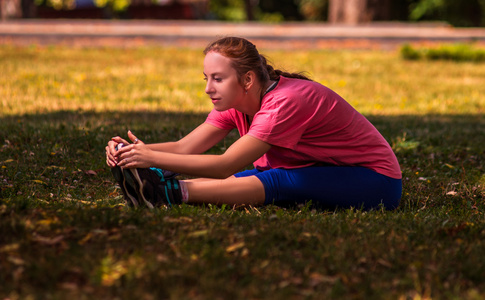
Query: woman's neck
point(255, 96)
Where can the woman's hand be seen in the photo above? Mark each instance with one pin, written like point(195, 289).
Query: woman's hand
point(136, 155)
point(111, 152)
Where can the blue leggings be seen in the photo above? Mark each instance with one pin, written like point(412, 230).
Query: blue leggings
point(329, 187)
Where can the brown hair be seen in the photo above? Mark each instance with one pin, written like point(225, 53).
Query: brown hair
point(245, 57)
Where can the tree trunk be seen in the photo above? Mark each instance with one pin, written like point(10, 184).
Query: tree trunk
point(249, 6)
point(29, 9)
point(10, 9)
point(358, 11)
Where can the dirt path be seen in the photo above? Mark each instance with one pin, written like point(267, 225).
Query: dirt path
point(199, 33)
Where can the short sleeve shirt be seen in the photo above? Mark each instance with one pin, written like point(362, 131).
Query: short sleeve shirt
point(307, 123)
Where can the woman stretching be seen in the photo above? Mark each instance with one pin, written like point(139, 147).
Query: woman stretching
point(306, 144)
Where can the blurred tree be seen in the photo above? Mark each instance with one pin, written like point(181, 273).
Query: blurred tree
point(28, 9)
point(249, 7)
point(113, 5)
point(313, 10)
point(287, 9)
point(10, 9)
point(228, 10)
point(455, 12)
point(358, 11)
point(241, 10)
point(56, 4)
point(400, 9)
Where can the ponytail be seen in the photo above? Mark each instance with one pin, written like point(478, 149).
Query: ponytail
point(275, 74)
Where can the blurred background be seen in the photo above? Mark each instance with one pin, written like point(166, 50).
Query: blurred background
point(458, 13)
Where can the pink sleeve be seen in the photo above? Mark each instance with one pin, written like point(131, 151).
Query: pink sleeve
point(281, 123)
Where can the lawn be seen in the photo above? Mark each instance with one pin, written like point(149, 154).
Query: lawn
point(65, 232)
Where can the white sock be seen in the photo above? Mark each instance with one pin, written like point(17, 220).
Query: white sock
point(185, 191)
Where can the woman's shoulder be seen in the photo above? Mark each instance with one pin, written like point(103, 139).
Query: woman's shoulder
point(295, 85)
point(295, 90)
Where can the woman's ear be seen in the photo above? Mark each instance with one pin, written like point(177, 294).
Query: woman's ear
point(249, 79)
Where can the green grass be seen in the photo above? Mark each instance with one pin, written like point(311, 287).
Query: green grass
point(456, 52)
point(64, 231)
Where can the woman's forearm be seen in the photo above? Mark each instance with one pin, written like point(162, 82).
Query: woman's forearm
point(169, 147)
point(198, 141)
point(199, 165)
point(241, 154)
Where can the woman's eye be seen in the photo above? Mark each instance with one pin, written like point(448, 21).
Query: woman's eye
point(218, 79)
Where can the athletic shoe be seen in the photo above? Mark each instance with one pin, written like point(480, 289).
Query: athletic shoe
point(129, 194)
point(153, 188)
point(166, 173)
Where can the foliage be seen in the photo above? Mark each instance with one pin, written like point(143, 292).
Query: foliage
point(270, 10)
point(290, 10)
point(456, 12)
point(228, 10)
point(67, 234)
point(457, 52)
point(286, 9)
point(114, 5)
point(234, 10)
point(313, 10)
point(57, 4)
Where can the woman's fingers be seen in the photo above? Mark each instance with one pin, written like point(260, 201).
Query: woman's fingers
point(125, 157)
point(114, 142)
point(134, 156)
point(111, 152)
point(119, 140)
point(128, 162)
point(133, 138)
point(110, 159)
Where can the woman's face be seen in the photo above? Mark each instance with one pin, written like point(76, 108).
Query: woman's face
point(222, 86)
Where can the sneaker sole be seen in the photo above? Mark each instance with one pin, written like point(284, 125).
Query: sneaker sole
point(133, 179)
point(118, 175)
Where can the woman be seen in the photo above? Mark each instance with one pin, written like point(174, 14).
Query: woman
point(306, 144)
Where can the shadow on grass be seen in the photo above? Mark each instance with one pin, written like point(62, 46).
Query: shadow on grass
point(51, 155)
point(74, 247)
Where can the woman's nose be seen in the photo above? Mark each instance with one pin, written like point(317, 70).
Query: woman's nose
point(208, 88)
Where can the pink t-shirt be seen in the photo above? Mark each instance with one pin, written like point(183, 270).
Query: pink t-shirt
point(307, 123)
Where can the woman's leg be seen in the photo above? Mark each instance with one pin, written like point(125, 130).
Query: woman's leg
point(232, 191)
point(327, 187)
point(331, 187)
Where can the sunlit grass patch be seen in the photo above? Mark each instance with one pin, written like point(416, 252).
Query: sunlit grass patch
point(41, 80)
point(150, 79)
